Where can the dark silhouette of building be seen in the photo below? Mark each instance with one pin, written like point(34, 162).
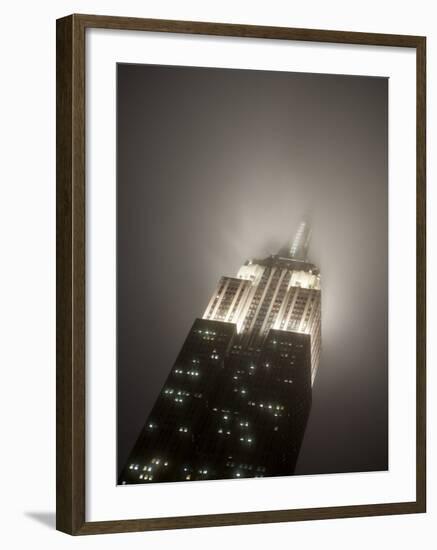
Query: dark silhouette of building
point(237, 400)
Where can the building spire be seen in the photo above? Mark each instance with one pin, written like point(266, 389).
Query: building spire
point(301, 242)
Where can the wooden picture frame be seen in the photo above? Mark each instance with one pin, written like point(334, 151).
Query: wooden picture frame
point(71, 284)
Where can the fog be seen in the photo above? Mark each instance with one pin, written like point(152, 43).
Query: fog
point(216, 166)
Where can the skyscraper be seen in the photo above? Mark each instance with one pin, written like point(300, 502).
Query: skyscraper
point(237, 400)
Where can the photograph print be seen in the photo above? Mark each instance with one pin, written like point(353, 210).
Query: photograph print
point(252, 274)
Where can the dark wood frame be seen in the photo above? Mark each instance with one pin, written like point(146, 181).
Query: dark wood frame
point(70, 275)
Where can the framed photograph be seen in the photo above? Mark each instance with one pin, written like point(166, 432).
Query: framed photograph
point(240, 274)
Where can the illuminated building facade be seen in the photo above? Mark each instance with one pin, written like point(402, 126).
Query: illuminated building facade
point(237, 400)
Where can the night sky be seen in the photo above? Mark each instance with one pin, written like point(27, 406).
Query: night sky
point(216, 166)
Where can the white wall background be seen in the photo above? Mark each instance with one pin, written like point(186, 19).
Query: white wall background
point(27, 289)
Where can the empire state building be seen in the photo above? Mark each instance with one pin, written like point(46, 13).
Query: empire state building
point(237, 400)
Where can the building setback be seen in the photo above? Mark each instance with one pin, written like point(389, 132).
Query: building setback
point(237, 400)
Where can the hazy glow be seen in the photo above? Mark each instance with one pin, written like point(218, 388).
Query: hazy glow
point(274, 147)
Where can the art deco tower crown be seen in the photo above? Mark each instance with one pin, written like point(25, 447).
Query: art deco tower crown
point(280, 292)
